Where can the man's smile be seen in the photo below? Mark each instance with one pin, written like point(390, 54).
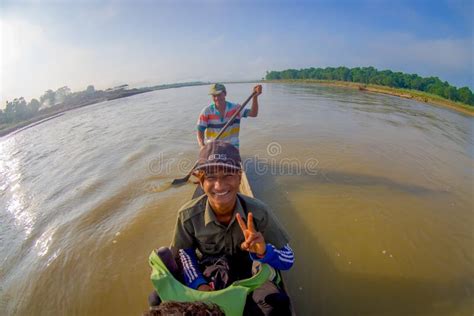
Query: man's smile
point(221, 193)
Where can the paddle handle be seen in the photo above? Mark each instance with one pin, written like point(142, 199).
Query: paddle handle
point(239, 109)
point(232, 118)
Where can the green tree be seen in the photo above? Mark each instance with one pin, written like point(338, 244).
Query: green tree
point(90, 89)
point(10, 112)
point(436, 88)
point(357, 75)
point(48, 98)
point(33, 107)
point(450, 93)
point(273, 75)
point(16, 110)
point(373, 76)
point(62, 94)
point(21, 109)
point(289, 74)
point(416, 83)
point(465, 95)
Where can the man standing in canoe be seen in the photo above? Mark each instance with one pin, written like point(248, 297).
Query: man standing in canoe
point(213, 117)
point(230, 231)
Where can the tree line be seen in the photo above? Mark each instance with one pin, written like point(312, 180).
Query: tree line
point(20, 110)
point(52, 102)
point(370, 75)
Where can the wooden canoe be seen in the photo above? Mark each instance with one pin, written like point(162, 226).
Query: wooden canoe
point(246, 189)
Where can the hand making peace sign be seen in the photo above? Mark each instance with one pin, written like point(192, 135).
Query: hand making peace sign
point(254, 241)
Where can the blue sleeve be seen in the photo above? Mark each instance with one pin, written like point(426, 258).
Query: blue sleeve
point(192, 276)
point(281, 259)
point(246, 113)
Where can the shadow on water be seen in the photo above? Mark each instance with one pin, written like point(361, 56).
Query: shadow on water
point(360, 180)
point(329, 176)
point(318, 287)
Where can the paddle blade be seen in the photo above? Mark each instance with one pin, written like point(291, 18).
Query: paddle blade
point(180, 181)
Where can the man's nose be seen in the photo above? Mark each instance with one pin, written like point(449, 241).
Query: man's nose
point(219, 183)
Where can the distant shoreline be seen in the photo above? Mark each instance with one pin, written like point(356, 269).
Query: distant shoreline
point(61, 109)
point(20, 126)
point(402, 93)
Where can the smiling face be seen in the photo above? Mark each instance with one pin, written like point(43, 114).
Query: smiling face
point(221, 187)
point(219, 99)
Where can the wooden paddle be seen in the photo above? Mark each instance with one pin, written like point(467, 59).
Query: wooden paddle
point(232, 118)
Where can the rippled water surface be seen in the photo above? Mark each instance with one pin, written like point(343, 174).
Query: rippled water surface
point(375, 191)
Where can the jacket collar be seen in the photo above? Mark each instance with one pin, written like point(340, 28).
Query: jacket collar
point(209, 215)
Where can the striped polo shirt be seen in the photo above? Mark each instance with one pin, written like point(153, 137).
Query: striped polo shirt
point(211, 122)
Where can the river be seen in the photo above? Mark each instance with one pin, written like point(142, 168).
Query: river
point(375, 192)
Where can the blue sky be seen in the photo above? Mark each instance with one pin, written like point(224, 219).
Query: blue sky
point(49, 44)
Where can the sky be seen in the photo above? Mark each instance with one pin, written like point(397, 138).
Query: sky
point(50, 44)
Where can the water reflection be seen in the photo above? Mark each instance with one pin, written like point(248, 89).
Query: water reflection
point(12, 192)
point(43, 242)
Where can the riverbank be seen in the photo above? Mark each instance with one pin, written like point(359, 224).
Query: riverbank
point(20, 126)
point(58, 110)
point(402, 93)
point(10, 130)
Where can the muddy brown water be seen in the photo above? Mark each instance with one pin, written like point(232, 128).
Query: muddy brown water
point(375, 192)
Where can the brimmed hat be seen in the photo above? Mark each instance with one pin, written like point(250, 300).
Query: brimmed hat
point(216, 89)
point(219, 153)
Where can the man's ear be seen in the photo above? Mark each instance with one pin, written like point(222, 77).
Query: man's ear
point(199, 178)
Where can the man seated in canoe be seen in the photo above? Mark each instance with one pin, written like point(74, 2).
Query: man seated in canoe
point(214, 116)
point(219, 236)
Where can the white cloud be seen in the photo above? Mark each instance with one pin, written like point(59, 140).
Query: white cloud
point(440, 54)
point(447, 58)
point(34, 60)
